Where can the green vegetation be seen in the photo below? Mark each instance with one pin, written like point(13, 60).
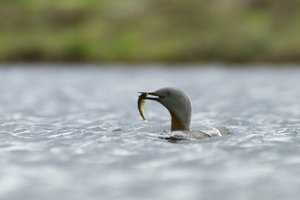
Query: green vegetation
point(150, 30)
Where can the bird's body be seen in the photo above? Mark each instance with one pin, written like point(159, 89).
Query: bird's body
point(179, 106)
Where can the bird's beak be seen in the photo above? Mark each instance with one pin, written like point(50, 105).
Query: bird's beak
point(152, 96)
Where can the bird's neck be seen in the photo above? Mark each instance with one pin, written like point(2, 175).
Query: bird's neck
point(177, 124)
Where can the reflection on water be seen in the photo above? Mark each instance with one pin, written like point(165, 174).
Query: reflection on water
point(75, 133)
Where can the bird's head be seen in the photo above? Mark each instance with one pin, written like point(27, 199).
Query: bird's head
point(177, 103)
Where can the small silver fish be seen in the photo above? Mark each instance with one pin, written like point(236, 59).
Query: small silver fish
point(141, 103)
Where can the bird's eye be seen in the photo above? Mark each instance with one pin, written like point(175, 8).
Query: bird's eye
point(168, 93)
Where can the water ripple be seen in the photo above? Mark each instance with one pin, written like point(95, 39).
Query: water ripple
point(76, 134)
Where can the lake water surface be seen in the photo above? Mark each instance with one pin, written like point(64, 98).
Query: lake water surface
point(74, 133)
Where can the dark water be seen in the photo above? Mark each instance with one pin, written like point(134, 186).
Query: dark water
point(75, 133)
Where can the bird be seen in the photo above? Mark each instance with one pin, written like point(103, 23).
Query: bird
point(179, 106)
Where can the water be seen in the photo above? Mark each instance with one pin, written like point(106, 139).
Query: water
point(75, 133)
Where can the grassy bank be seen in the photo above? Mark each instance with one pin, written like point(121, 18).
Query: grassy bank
point(150, 30)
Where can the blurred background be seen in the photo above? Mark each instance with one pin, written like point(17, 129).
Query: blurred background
point(232, 31)
point(75, 133)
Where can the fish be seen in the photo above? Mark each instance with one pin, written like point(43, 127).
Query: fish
point(141, 104)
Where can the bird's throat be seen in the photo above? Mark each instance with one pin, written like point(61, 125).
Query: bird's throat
point(177, 124)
